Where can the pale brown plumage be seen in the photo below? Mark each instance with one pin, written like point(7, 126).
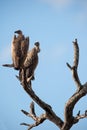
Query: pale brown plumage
point(31, 62)
point(24, 48)
point(19, 49)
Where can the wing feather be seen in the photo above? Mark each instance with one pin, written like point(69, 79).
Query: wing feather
point(24, 47)
point(30, 59)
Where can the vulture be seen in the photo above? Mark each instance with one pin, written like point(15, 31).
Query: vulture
point(19, 49)
point(30, 62)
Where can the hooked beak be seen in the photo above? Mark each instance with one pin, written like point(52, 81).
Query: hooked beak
point(18, 32)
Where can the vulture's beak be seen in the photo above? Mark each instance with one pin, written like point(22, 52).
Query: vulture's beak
point(18, 32)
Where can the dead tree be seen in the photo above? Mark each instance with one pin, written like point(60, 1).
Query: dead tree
point(49, 114)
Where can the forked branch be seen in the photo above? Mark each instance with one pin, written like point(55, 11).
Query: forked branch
point(32, 114)
point(81, 116)
point(81, 91)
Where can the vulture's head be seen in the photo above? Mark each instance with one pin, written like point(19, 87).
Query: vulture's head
point(37, 46)
point(18, 32)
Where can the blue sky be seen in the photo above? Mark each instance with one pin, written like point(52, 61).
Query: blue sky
point(55, 24)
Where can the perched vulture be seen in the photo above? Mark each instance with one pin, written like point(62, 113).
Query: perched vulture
point(31, 62)
point(19, 49)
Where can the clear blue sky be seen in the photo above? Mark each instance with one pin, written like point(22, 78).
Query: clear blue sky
point(55, 24)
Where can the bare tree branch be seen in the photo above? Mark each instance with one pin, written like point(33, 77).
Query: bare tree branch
point(76, 53)
point(38, 120)
point(32, 113)
point(8, 65)
point(75, 66)
point(81, 116)
point(32, 109)
point(69, 118)
point(25, 124)
point(82, 91)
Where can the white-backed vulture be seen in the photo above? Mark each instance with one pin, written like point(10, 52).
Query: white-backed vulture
point(31, 62)
point(19, 49)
